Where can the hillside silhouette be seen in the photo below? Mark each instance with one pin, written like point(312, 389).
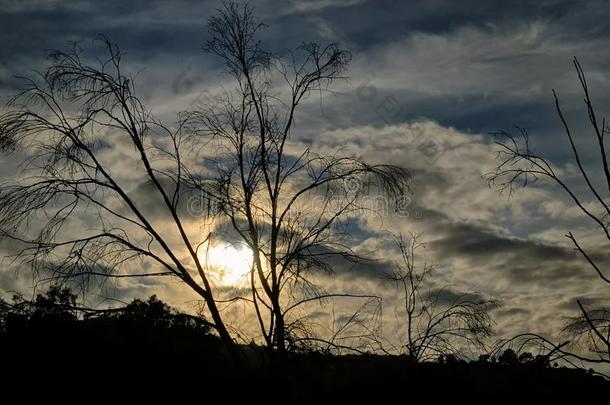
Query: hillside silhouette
point(148, 348)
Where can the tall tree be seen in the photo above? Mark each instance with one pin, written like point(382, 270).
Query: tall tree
point(437, 322)
point(64, 122)
point(284, 201)
point(519, 165)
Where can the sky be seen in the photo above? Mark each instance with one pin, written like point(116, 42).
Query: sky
point(429, 83)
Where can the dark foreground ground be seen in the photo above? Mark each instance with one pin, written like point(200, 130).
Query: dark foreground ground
point(146, 363)
point(146, 351)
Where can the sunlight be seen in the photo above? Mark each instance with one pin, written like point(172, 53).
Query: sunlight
point(231, 263)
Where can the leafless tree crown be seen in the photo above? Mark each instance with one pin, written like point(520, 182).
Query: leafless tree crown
point(436, 326)
point(519, 165)
point(287, 203)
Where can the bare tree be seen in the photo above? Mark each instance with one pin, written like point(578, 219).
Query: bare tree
point(535, 349)
point(288, 204)
point(62, 121)
point(591, 330)
point(519, 165)
point(436, 326)
point(347, 332)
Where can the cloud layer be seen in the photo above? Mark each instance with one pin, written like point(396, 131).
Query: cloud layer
point(427, 85)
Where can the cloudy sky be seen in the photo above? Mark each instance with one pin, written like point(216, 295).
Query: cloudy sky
point(442, 72)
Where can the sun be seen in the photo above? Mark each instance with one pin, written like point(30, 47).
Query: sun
point(231, 263)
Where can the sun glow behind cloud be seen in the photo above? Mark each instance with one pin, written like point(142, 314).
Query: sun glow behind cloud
point(230, 263)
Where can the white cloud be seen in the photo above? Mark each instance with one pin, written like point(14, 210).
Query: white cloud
point(511, 60)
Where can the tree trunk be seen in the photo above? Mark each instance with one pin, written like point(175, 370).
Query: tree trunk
point(280, 329)
point(219, 325)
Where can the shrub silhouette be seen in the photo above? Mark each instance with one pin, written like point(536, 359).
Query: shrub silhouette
point(526, 358)
point(508, 358)
point(57, 313)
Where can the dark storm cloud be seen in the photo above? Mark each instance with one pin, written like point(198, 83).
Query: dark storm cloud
point(168, 36)
point(11, 246)
point(449, 296)
point(378, 271)
point(147, 31)
point(161, 26)
point(497, 51)
point(514, 311)
point(521, 260)
point(192, 203)
point(144, 27)
point(477, 113)
point(374, 22)
point(569, 304)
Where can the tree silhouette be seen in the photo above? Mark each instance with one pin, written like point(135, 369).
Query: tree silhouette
point(66, 118)
point(508, 358)
point(63, 120)
point(59, 322)
point(526, 357)
point(152, 313)
point(519, 165)
point(288, 204)
point(435, 327)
